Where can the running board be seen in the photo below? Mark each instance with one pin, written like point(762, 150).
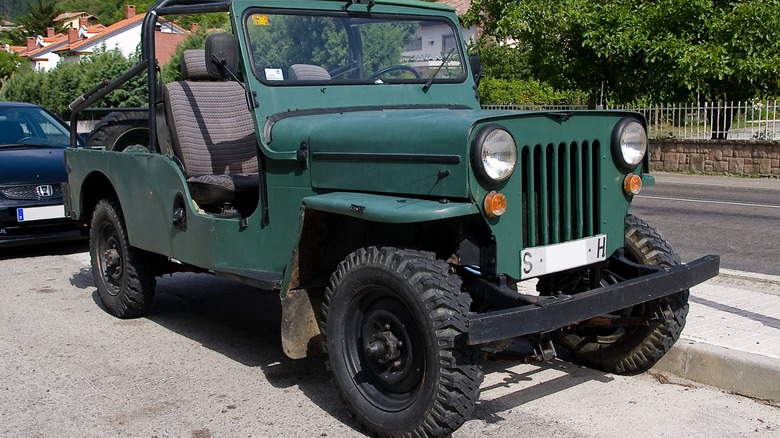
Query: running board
point(258, 279)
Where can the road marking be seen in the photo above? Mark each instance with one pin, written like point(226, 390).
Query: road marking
point(741, 186)
point(703, 201)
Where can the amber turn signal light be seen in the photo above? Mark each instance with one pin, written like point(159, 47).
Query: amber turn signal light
point(495, 204)
point(632, 184)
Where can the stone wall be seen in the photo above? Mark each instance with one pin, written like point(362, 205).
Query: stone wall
point(745, 157)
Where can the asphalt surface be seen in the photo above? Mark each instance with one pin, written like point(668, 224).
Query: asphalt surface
point(736, 218)
point(207, 362)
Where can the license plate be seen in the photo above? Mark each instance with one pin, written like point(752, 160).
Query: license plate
point(543, 260)
point(40, 213)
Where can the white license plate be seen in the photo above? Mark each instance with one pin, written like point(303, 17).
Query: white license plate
point(40, 213)
point(543, 260)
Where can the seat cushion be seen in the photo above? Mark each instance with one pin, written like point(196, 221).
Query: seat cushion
point(307, 72)
point(215, 190)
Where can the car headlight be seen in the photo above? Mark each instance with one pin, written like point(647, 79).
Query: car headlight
point(629, 143)
point(494, 154)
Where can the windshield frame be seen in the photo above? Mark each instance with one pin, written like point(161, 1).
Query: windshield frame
point(354, 49)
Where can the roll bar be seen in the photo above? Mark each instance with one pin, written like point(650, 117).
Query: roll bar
point(148, 63)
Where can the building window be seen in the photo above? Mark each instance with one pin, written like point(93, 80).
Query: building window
point(414, 44)
point(448, 42)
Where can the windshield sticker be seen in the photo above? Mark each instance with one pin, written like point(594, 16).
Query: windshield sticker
point(274, 74)
point(260, 20)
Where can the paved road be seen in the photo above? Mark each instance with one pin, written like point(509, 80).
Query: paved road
point(207, 362)
point(737, 218)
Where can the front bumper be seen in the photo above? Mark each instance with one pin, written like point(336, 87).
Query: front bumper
point(570, 309)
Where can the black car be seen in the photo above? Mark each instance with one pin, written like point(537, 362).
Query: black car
point(32, 169)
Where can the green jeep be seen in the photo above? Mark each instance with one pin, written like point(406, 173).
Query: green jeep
point(335, 151)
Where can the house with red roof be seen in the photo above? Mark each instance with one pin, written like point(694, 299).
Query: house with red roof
point(73, 20)
point(45, 52)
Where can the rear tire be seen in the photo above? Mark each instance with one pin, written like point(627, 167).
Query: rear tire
point(634, 349)
point(124, 280)
point(121, 129)
point(395, 325)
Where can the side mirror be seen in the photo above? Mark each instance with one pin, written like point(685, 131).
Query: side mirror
point(222, 55)
point(476, 68)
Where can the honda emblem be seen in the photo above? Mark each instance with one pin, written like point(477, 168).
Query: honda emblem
point(44, 191)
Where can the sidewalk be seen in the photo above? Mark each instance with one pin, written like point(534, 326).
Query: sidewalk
point(732, 336)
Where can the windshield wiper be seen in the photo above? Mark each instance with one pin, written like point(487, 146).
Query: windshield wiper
point(14, 145)
point(429, 82)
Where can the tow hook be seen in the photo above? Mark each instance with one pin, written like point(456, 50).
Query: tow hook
point(543, 351)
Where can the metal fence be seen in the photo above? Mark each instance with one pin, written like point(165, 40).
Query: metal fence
point(752, 120)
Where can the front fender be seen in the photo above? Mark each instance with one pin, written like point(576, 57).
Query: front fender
point(388, 209)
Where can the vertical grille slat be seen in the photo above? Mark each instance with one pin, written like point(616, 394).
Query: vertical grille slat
point(555, 211)
point(533, 193)
point(578, 188)
point(560, 191)
point(544, 199)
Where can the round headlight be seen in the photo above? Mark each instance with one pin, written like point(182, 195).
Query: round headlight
point(494, 154)
point(629, 143)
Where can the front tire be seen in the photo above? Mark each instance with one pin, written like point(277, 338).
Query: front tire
point(124, 280)
point(395, 326)
point(634, 348)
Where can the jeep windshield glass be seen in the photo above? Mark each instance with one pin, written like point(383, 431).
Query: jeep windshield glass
point(338, 49)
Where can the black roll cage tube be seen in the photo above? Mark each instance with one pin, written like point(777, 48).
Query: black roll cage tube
point(162, 7)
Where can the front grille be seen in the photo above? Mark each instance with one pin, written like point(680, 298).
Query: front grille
point(560, 192)
point(30, 191)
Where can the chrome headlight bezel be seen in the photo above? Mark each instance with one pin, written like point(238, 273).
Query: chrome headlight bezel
point(493, 154)
point(629, 143)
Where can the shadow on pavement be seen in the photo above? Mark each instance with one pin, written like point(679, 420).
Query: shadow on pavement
point(44, 249)
point(243, 324)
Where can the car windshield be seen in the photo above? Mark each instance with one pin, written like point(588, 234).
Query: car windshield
point(295, 49)
point(32, 127)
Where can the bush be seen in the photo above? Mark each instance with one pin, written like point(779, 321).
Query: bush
point(527, 92)
point(57, 88)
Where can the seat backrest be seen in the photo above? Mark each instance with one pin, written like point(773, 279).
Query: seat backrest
point(307, 72)
point(212, 130)
point(10, 132)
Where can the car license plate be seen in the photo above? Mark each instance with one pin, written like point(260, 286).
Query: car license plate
point(40, 213)
point(543, 260)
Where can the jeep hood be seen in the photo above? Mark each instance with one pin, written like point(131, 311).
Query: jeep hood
point(422, 152)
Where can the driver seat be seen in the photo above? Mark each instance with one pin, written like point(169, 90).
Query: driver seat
point(213, 134)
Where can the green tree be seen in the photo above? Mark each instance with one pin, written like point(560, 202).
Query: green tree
point(9, 63)
point(24, 86)
point(60, 86)
point(40, 15)
point(654, 49)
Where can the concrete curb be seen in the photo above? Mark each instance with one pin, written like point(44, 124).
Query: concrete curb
point(734, 371)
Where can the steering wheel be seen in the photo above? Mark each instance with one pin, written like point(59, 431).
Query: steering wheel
point(394, 68)
point(23, 139)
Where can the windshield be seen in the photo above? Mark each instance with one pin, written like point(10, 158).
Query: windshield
point(31, 126)
point(294, 49)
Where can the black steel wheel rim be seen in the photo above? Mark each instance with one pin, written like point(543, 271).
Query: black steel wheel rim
point(110, 258)
point(383, 348)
